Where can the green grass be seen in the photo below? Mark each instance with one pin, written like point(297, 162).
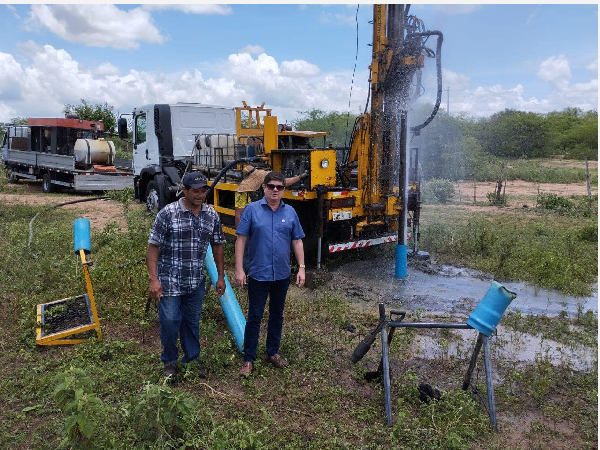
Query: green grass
point(538, 171)
point(546, 249)
point(321, 401)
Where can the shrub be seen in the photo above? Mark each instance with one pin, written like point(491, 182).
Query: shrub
point(437, 191)
point(553, 202)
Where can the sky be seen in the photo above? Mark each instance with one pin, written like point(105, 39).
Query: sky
point(294, 58)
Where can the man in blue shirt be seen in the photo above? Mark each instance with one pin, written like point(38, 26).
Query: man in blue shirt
point(177, 246)
point(269, 227)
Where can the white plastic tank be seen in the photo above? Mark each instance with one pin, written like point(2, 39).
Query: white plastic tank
point(94, 151)
point(213, 149)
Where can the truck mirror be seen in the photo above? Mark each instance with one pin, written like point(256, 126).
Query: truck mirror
point(122, 127)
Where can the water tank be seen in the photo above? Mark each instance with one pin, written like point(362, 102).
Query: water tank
point(94, 151)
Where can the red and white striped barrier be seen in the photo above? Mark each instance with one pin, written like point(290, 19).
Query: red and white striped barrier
point(333, 248)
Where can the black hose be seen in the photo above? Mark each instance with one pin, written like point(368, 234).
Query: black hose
point(438, 64)
point(48, 208)
point(226, 168)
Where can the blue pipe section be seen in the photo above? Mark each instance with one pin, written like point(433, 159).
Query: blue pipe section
point(489, 310)
point(401, 252)
point(81, 235)
point(229, 304)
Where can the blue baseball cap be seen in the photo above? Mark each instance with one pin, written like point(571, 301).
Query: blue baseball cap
point(194, 180)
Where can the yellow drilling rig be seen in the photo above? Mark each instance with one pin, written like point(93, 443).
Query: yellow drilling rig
point(360, 196)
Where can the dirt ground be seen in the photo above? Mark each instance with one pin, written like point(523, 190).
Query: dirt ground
point(520, 194)
point(98, 211)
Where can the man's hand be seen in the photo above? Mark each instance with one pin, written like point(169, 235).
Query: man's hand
point(301, 277)
point(304, 175)
point(220, 288)
point(240, 277)
point(155, 289)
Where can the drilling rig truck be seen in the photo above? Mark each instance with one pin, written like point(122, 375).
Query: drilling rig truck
point(355, 197)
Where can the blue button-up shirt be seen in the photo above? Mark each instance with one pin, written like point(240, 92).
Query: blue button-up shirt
point(182, 239)
point(270, 234)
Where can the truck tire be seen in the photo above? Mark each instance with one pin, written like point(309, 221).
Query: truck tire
point(11, 176)
point(155, 194)
point(47, 186)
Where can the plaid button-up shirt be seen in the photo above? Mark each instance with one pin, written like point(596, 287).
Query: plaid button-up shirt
point(182, 239)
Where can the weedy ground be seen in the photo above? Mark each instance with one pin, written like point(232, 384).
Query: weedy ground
point(109, 393)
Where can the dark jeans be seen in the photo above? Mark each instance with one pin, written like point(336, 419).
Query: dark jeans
point(257, 299)
point(180, 316)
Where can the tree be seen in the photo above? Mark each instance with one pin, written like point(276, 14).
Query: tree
point(514, 134)
point(99, 112)
point(339, 125)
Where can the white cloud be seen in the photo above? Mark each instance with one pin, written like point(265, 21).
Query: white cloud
point(41, 81)
point(96, 25)
point(453, 80)
point(533, 15)
point(330, 18)
point(105, 69)
point(457, 9)
point(46, 79)
point(252, 49)
point(12, 9)
point(192, 8)
point(593, 66)
point(299, 68)
point(555, 70)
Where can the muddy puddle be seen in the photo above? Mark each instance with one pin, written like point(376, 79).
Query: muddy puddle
point(449, 294)
point(444, 289)
point(514, 346)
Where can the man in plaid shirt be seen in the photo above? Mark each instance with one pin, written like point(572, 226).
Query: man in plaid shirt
point(177, 246)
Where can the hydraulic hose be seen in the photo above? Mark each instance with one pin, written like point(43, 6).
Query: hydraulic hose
point(227, 167)
point(438, 65)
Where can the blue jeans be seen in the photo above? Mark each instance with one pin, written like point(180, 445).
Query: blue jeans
point(180, 315)
point(257, 299)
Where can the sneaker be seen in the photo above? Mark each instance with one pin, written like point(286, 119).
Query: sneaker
point(277, 360)
point(202, 372)
point(169, 370)
point(246, 369)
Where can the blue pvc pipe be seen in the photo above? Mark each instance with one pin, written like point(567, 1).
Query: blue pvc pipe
point(401, 251)
point(229, 304)
point(81, 236)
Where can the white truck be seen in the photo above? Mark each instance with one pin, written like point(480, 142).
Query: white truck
point(69, 152)
point(172, 139)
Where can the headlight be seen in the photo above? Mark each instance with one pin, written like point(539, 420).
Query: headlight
point(324, 163)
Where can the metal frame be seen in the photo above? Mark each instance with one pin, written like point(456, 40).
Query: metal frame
point(384, 366)
point(60, 337)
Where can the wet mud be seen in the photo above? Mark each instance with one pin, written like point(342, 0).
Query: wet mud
point(436, 288)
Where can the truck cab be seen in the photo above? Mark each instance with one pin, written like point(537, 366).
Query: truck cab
point(165, 140)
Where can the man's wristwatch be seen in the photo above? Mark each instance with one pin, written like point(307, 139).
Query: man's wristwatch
point(302, 266)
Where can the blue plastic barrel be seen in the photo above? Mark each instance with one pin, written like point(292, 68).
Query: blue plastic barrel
point(81, 235)
point(489, 311)
point(229, 304)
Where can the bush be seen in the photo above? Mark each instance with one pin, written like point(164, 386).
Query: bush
point(437, 191)
point(553, 202)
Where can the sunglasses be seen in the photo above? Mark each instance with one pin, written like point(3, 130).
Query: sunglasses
point(275, 187)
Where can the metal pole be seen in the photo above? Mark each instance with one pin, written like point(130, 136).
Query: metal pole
point(401, 250)
point(399, 324)
point(489, 381)
point(319, 252)
point(386, 376)
point(467, 380)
